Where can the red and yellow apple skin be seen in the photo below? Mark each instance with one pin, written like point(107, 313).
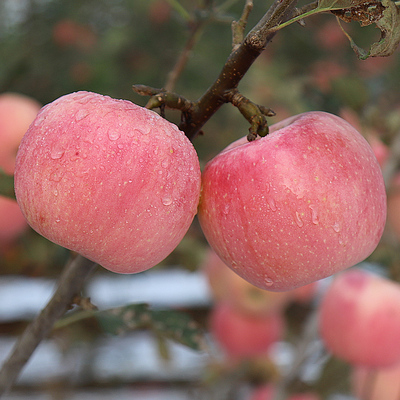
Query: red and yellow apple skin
point(298, 205)
point(108, 179)
point(359, 319)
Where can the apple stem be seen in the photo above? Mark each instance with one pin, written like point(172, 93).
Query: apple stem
point(70, 284)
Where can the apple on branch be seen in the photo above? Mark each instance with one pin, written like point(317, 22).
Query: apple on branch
point(108, 179)
point(300, 204)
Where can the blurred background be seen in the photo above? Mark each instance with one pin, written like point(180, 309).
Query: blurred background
point(49, 48)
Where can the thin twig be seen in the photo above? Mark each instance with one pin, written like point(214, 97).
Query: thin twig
point(179, 66)
point(70, 284)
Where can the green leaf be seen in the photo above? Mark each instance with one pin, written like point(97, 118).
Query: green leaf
point(164, 323)
point(6, 185)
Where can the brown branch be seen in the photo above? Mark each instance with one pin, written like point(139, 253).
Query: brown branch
point(236, 66)
point(70, 284)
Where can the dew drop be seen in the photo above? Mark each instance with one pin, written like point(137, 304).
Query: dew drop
point(58, 220)
point(55, 192)
point(226, 209)
point(314, 215)
point(81, 114)
point(298, 220)
point(271, 203)
point(167, 200)
point(268, 281)
point(267, 187)
point(113, 135)
point(57, 151)
point(336, 227)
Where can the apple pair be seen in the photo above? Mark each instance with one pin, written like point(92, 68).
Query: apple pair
point(120, 185)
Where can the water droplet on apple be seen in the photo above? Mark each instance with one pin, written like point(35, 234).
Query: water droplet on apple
point(226, 209)
point(81, 114)
point(55, 192)
point(267, 187)
point(167, 200)
point(268, 281)
point(298, 220)
point(58, 220)
point(314, 214)
point(113, 135)
point(271, 203)
point(336, 227)
point(57, 151)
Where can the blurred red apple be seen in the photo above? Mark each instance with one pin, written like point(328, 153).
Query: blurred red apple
point(243, 335)
point(108, 179)
point(17, 112)
point(360, 319)
point(12, 222)
point(304, 202)
point(266, 392)
point(376, 384)
point(229, 287)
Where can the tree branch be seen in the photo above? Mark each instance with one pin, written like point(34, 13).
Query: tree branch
point(236, 66)
point(70, 284)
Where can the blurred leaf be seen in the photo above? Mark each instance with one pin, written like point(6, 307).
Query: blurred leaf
point(164, 323)
point(390, 31)
point(387, 19)
point(6, 185)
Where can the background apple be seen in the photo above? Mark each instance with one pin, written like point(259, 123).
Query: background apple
point(17, 111)
point(266, 392)
point(229, 287)
point(108, 179)
point(243, 335)
point(298, 205)
point(360, 319)
point(376, 384)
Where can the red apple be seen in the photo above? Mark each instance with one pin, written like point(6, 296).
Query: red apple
point(376, 384)
point(108, 179)
point(229, 287)
point(266, 392)
point(360, 319)
point(298, 205)
point(17, 112)
point(243, 335)
point(12, 222)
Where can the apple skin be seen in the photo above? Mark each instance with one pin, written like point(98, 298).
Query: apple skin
point(304, 202)
point(108, 179)
point(376, 384)
point(242, 335)
point(17, 112)
point(359, 319)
